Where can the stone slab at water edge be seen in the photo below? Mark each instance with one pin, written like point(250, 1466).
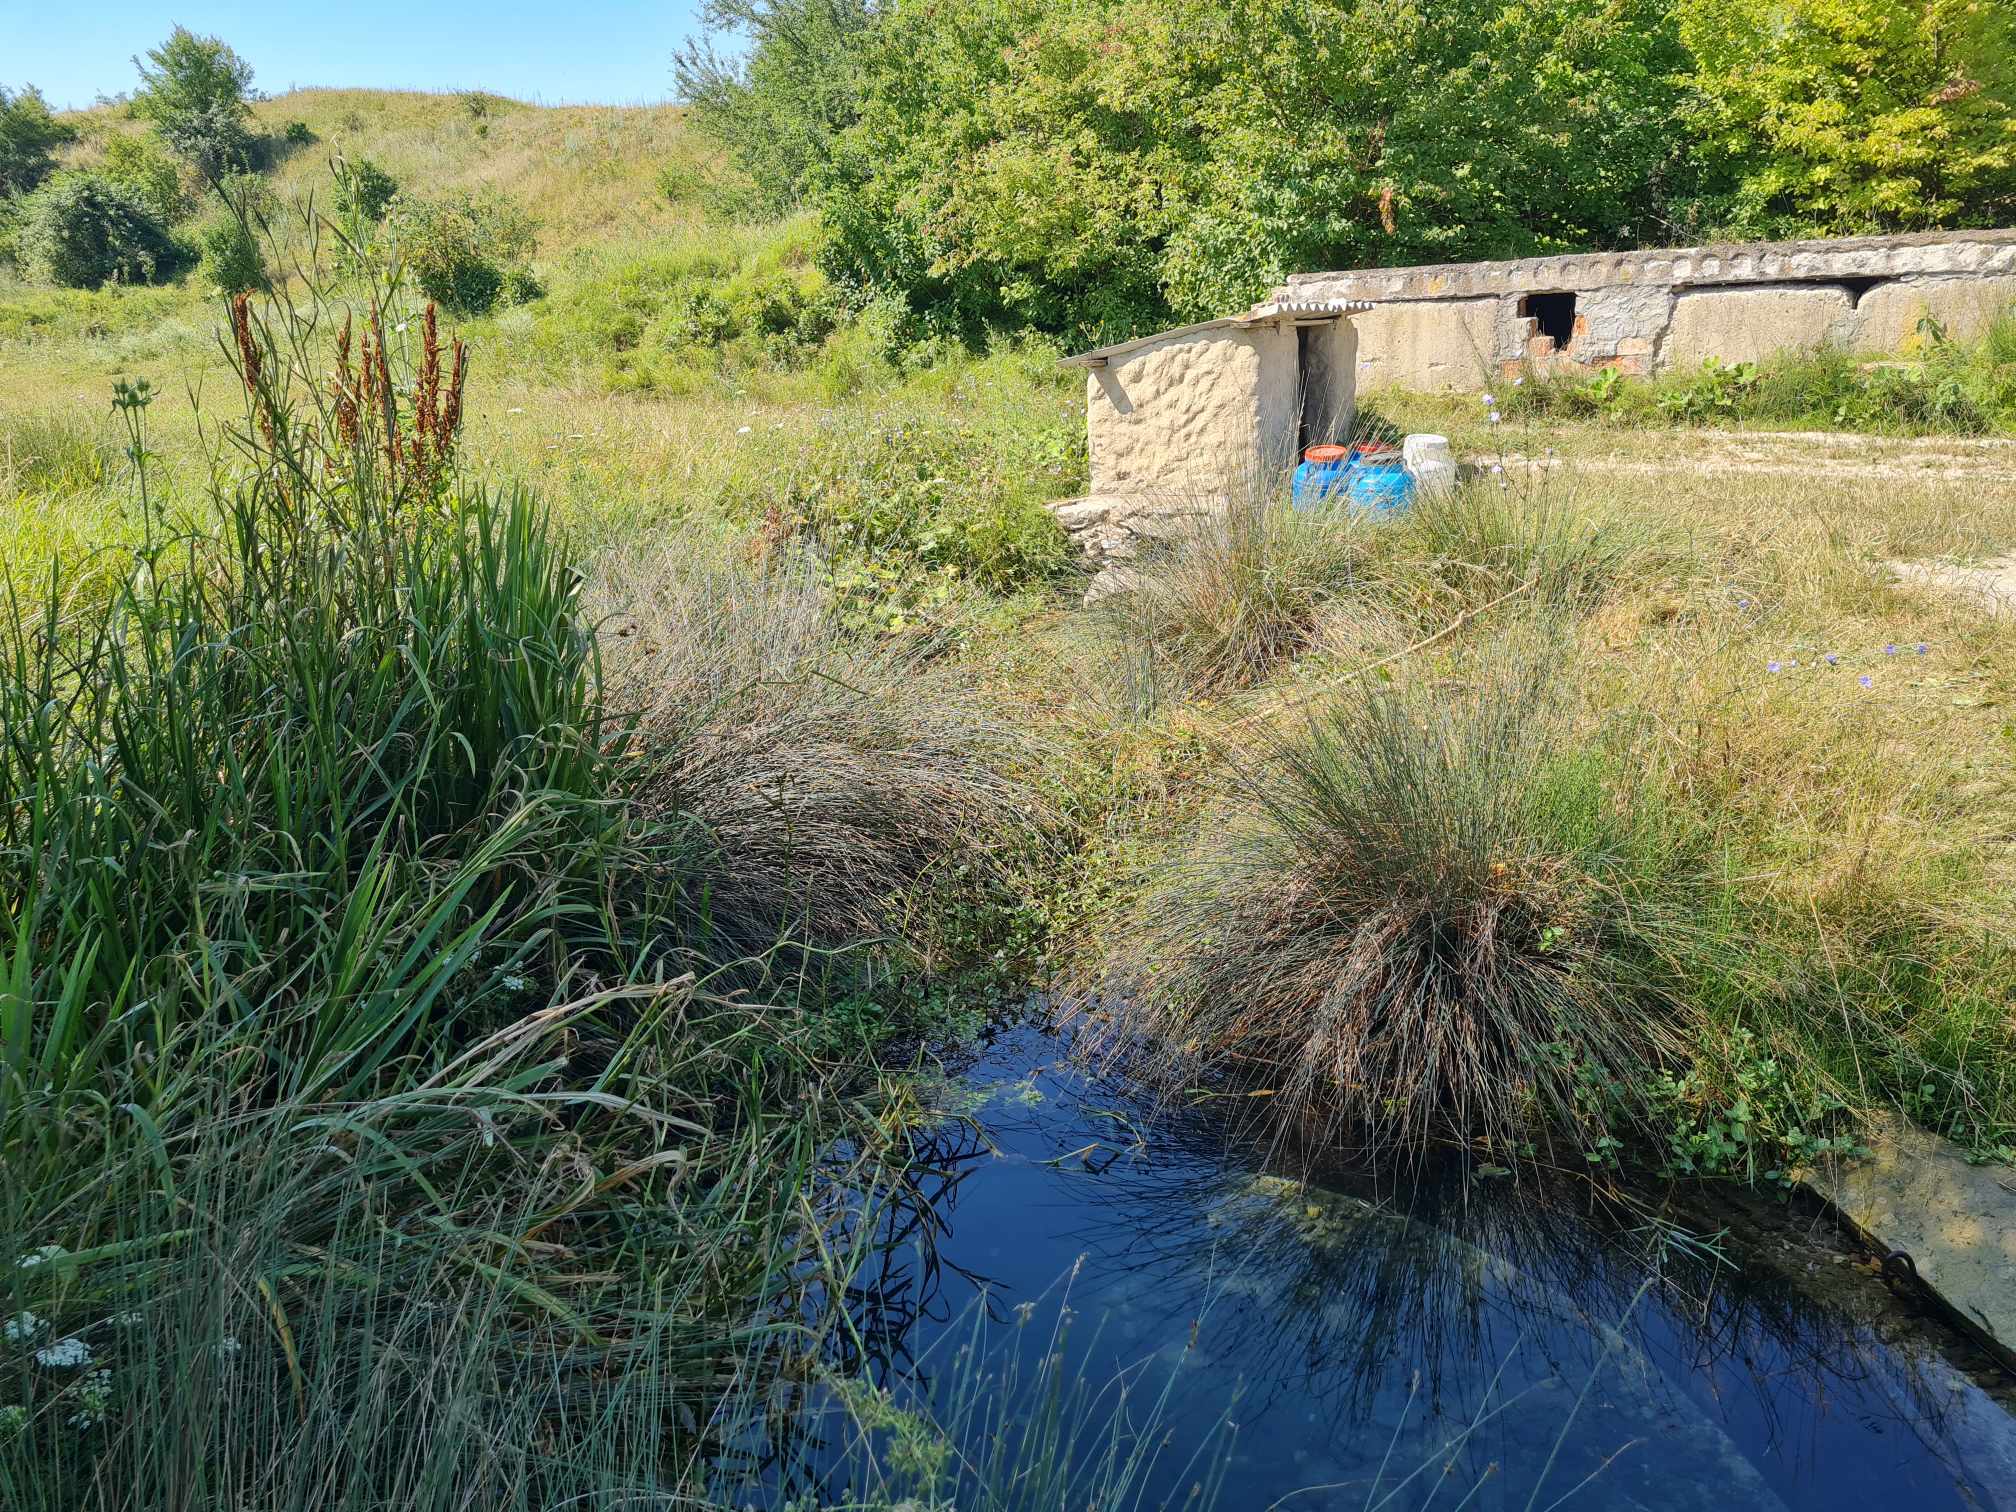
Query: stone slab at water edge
point(1467, 325)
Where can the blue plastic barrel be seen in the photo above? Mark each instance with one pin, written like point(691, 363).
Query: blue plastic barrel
point(1379, 484)
point(1323, 472)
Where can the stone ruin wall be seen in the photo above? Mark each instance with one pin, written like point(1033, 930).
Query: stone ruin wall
point(1467, 325)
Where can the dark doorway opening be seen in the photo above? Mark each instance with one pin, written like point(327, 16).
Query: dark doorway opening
point(1553, 316)
point(1857, 287)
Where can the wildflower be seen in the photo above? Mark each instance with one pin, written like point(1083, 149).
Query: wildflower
point(42, 1256)
point(1495, 417)
point(743, 430)
point(64, 1354)
point(228, 1345)
point(1497, 468)
point(514, 983)
point(1518, 383)
point(21, 1328)
point(1831, 659)
point(1866, 680)
point(1773, 667)
point(1891, 649)
point(1742, 603)
point(1920, 648)
point(94, 1400)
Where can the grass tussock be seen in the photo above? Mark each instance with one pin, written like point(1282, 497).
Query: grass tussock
point(824, 774)
point(1227, 598)
point(1420, 914)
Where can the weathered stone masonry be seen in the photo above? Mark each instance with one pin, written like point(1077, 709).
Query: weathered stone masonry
point(1466, 325)
point(1181, 422)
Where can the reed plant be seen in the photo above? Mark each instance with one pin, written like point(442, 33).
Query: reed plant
point(373, 1128)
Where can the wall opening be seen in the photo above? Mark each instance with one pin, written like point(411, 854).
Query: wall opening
point(1553, 316)
point(1857, 287)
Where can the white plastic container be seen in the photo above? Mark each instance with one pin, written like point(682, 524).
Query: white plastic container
point(1430, 464)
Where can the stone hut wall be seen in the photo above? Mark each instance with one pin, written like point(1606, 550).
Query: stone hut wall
point(1467, 325)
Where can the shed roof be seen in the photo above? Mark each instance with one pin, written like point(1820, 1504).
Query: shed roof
point(1301, 311)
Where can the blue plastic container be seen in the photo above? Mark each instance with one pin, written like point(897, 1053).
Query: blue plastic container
point(1320, 476)
point(1379, 484)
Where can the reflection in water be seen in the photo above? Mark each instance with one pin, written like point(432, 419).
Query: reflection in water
point(1480, 1342)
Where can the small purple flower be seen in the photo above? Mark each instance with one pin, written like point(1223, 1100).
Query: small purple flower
point(1773, 667)
point(1518, 383)
point(1832, 660)
point(1497, 468)
point(1866, 680)
point(1891, 649)
point(1495, 417)
point(1921, 648)
point(1489, 401)
point(1742, 603)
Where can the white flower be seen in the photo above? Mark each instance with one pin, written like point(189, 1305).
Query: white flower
point(64, 1354)
point(94, 1400)
point(1496, 468)
point(228, 1345)
point(1489, 401)
point(743, 430)
point(42, 1256)
point(1495, 417)
point(514, 984)
point(1518, 382)
point(21, 1328)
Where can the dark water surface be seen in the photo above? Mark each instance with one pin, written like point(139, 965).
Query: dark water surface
point(1470, 1344)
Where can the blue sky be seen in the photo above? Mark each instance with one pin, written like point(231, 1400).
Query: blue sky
point(604, 51)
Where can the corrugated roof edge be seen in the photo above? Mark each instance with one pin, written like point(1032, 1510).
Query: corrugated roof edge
point(1260, 314)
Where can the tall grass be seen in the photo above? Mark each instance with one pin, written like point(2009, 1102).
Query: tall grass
point(369, 1132)
point(1421, 915)
point(825, 775)
point(1230, 595)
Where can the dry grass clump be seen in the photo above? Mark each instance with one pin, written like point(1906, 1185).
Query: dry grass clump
point(824, 773)
point(1229, 597)
point(1420, 915)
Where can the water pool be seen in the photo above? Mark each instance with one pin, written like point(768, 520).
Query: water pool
point(1472, 1342)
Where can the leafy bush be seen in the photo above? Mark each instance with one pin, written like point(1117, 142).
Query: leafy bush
point(29, 135)
point(81, 231)
point(298, 134)
point(1423, 916)
point(467, 253)
point(231, 256)
point(910, 512)
point(144, 169)
point(363, 189)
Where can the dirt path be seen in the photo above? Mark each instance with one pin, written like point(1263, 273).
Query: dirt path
point(1802, 454)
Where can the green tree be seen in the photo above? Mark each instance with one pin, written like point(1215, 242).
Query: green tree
point(780, 102)
point(1095, 167)
point(29, 136)
point(195, 93)
point(1830, 116)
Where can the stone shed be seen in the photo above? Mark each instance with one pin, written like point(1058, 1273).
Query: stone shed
point(1181, 422)
point(1467, 325)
